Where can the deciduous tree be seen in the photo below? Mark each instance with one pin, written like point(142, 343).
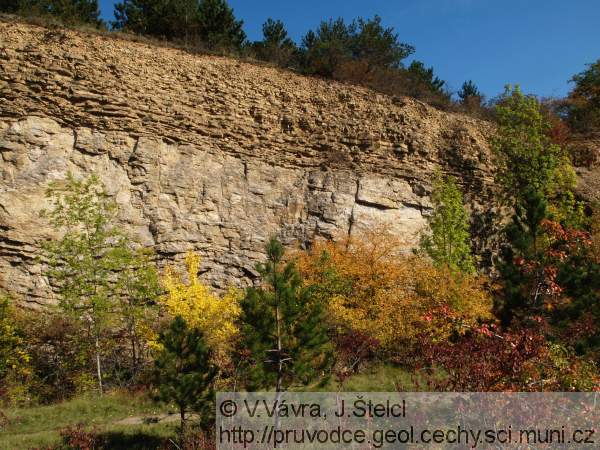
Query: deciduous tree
point(526, 156)
point(449, 242)
point(215, 316)
point(518, 359)
point(100, 280)
point(83, 261)
point(14, 358)
point(372, 287)
point(139, 288)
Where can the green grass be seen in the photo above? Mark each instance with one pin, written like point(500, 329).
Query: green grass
point(40, 426)
point(381, 378)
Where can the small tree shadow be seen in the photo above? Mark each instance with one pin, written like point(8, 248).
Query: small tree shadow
point(118, 440)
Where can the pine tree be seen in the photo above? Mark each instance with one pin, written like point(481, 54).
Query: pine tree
point(210, 23)
point(379, 46)
point(335, 43)
point(275, 34)
point(69, 11)
point(424, 77)
point(218, 28)
point(470, 95)
point(9, 6)
point(76, 11)
point(276, 46)
point(449, 241)
point(522, 237)
point(173, 19)
point(283, 327)
point(183, 371)
point(328, 47)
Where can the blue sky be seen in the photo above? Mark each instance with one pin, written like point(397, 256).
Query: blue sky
point(538, 44)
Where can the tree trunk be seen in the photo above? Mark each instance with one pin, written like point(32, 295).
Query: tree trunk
point(182, 429)
point(279, 386)
point(134, 353)
point(134, 366)
point(98, 365)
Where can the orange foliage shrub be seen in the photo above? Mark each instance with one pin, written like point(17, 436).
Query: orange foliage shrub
point(372, 287)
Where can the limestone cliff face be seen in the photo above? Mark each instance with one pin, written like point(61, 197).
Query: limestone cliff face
point(212, 154)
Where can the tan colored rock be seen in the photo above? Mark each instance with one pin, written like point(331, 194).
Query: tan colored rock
point(212, 154)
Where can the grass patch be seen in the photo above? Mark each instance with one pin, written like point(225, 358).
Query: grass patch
point(379, 378)
point(375, 378)
point(40, 426)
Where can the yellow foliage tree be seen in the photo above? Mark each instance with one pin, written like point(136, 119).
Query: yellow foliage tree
point(374, 287)
point(215, 316)
point(15, 367)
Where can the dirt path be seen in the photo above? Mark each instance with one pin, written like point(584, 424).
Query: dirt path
point(161, 418)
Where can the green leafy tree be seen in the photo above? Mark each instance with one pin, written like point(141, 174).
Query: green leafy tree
point(14, 358)
point(448, 244)
point(538, 179)
point(283, 327)
point(527, 159)
point(183, 371)
point(82, 263)
point(527, 165)
point(139, 288)
point(99, 279)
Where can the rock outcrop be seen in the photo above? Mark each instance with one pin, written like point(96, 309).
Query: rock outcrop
point(585, 150)
point(212, 154)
